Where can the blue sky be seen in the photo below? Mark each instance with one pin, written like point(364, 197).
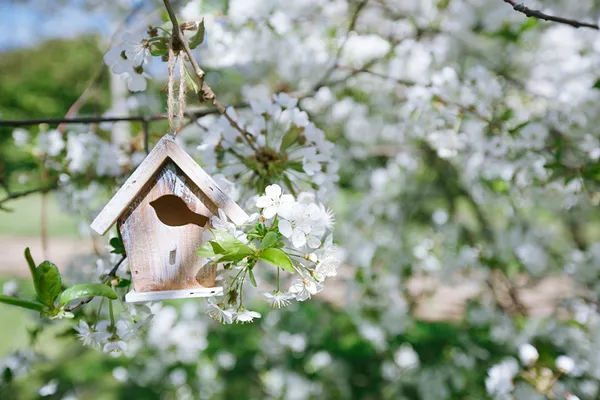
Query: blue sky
point(24, 24)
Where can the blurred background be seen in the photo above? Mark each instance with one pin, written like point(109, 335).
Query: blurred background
point(466, 205)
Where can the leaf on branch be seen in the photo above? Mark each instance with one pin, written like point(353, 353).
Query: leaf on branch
point(159, 48)
point(217, 249)
point(30, 262)
point(268, 241)
point(47, 283)
point(206, 250)
point(288, 139)
point(233, 257)
point(117, 244)
point(190, 81)
point(279, 258)
point(252, 279)
point(30, 305)
point(87, 290)
point(198, 38)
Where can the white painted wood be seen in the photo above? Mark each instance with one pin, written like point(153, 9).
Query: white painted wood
point(166, 147)
point(134, 297)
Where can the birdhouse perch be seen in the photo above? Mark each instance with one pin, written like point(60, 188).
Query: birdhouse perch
point(161, 211)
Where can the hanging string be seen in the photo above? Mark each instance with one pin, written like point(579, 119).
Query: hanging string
point(181, 99)
point(170, 87)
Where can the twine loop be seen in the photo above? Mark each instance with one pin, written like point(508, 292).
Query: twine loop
point(172, 103)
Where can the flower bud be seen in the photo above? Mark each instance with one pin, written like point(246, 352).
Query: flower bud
point(528, 354)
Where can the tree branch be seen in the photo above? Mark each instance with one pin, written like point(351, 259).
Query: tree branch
point(338, 54)
point(42, 189)
point(110, 275)
point(94, 120)
point(205, 93)
point(531, 13)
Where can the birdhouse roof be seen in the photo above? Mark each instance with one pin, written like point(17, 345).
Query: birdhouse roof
point(165, 148)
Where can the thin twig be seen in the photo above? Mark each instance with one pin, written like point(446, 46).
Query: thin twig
point(531, 13)
point(465, 110)
point(338, 54)
point(205, 93)
point(42, 189)
point(110, 275)
point(93, 120)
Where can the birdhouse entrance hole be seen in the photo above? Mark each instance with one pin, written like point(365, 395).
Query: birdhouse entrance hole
point(171, 210)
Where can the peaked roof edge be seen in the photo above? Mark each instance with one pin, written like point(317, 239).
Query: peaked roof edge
point(165, 148)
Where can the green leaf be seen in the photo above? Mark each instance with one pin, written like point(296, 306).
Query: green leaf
point(217, 248)
point(288, 140)
point(198, 38)
point(124, 283)
point(48, 283)
point(87, 290)
point(31, 263)
point(268, 241)
point(233, 257)
point(252, 279)
point(231, 244)
point(277, 257)
point(190, 81)
point(206, 250)
point(30, 305)
point(289, 185)
point(159, 48)
point(117, 244)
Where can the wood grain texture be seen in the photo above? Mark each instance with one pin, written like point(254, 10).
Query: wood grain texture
point(205, 183)
point(163, 257)
point(165, 148)
point(130, 189)
point(135, 297)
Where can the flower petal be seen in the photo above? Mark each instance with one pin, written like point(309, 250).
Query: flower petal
point(285, 228)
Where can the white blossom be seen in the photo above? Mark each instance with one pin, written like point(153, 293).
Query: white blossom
point(277, 299)
point(528, 354)
point(500, 377)
point(565, 364)
point(245, 316)
point(272, 200)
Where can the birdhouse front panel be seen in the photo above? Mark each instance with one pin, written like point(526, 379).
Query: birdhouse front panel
point(162, 230)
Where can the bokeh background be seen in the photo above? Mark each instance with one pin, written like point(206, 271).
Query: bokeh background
point(466, 205)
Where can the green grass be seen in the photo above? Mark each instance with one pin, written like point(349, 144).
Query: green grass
point(26, 216)
point(15, 320)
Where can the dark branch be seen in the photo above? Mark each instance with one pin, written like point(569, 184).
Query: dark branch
point(531, 13)
point(338, 54)
point(43, 189)
point(95, 120)
point(109, 276)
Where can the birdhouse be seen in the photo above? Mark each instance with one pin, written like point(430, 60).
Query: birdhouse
point(162, 211)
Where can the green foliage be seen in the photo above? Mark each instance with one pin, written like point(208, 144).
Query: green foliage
point(269, 240)
point(87, 290)
point(279, 258)
point(47, 283)
point(30, 305)
point(117, 244)
point(198, 38)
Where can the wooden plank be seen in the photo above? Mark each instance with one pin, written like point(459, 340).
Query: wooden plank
point(205, 183)
point(131, 188)
point(163, 257)
point(135, 297)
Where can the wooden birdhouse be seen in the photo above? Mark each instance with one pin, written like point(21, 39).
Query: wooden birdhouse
point(162, 211)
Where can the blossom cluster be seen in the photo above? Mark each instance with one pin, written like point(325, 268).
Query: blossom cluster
point(281, 145)
point(293, 234)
